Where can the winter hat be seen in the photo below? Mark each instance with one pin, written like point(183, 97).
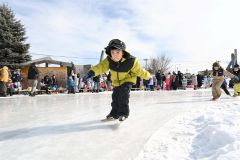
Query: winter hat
point(236, 66)
point(216, 64)
point(117, 44)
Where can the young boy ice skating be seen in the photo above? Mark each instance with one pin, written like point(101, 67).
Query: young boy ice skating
point(124, 70)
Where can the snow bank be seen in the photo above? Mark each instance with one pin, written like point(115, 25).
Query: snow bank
point(212, 132)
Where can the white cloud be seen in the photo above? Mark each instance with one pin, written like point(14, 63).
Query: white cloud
point(195, 27)
point(186, 30)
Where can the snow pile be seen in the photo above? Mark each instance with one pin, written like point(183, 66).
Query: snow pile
point(212, 132)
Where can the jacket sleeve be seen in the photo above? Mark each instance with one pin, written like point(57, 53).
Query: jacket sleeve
point(139, 71)
point(101, 68)
point(36, 70)
point(228, 74)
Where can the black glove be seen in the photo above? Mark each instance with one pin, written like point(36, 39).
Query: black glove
point(90, 74)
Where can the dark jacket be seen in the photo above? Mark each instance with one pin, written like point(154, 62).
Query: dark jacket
point(16, 77)
point(218, 73)
point(47, 80)
point(163, 77)
point(33, 72)
point(237, 73)
point(96, 79)
point(158, 76)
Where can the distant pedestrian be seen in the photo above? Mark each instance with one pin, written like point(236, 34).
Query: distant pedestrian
point(159, 78)
point(33, 74)
point(4, 78)
point(17, 78)
point(10, 87)
point(218, 78)
point(70, 85)
point(194, 81)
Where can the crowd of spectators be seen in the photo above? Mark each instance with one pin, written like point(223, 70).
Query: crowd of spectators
point(11, 82)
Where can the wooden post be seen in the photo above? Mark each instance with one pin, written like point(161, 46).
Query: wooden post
point(146, 63)
point(233, 60)
point(235, 54)
point(102, 56)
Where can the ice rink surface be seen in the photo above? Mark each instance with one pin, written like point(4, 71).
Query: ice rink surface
point(68, 127)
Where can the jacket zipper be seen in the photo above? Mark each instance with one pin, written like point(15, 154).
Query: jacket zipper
point(118, 74)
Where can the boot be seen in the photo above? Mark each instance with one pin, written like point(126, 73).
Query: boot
point(110, 117)
point(235, 95)
point(122, 118)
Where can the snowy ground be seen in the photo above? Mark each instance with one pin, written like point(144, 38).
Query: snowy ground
point(209, 133)
point(162, 125)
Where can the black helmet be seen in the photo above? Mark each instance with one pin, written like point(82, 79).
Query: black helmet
point(236, 66)
point(117, 44)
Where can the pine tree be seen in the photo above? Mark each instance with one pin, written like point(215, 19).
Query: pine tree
point(13, 49)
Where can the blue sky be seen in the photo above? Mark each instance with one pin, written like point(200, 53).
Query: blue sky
point(193, 33)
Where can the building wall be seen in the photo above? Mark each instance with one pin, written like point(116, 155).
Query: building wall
point(59, 72)
point(82, 69)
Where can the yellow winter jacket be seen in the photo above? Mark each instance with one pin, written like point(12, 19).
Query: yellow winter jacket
point(127, 70)
point(4, 75)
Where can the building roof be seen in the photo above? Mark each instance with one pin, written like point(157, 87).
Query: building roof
point(48, 60)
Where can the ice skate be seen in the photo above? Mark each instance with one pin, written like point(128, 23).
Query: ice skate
point(122, 118)
point(109, 118)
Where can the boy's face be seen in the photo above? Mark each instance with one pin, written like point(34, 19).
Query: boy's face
point(216, 68)
point(116, 54)
point(235, 69)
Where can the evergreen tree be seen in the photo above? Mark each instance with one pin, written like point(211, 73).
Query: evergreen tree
point(13, 49)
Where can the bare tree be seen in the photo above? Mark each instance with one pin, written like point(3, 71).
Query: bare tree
point(161, 63)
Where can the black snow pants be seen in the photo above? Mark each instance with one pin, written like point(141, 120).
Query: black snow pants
point(224, 87)
point(120, 100)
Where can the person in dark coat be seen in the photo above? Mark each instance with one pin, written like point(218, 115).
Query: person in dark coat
point(17, 78)
point(180, 79)
point(33, 74)
point(138, 83)
point(175, 81)
point(47, 82)
point(199, 80)
point(159, 78)
point(54, 83)
point(96, 81)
